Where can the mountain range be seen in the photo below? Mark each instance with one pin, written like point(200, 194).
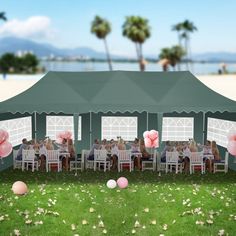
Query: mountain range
point(14, 45)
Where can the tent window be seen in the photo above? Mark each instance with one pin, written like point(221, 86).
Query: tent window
point(218, 130)
point(124, 126)
point(177, 128)
point(56, 124)
point(18, 129)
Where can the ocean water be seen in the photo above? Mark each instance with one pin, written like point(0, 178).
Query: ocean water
point(195, 68)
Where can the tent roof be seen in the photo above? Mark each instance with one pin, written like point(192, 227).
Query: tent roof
point(82, 92)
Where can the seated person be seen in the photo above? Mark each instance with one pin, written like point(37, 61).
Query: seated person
point(167, 148)
point(135, 150)
point(97, 146)
point(215, 151)
point(24, 146)
point(145, 155)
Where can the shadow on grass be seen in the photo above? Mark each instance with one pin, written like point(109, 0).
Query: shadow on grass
point(99, 177)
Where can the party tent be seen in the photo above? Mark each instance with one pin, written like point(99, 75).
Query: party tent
point(82, 92)
point(150, 94)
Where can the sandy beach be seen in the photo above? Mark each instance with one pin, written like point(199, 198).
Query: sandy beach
point(16, 84)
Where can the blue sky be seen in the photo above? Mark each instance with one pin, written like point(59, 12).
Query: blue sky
point(66, 23)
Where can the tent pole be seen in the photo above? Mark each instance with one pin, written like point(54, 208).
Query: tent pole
point(147, 121)
point(35, 126)
point(159, 125)
point(76, 130)
point(90, 129)
point(203, 127)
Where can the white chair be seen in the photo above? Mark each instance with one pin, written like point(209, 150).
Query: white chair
point(17, 164)
point(150, 164)
point(124, 157)
point(79, 164)
point(29, 158)
point(53, 158)
point(224, 163)
point(89, 164)
point(100, 157)
point(172, 160)
point(161, 166)
point(196, 159)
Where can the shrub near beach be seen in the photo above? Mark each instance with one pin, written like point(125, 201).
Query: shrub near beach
point(9, 63)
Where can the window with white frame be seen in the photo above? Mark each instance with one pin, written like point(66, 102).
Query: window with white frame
point(18, 129)
point(177, 128)
point(218, 130)
point(124, 126)
point(56, 124)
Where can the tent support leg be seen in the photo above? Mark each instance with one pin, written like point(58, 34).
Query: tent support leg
point(203, 127)
point(76, 130)
point(35, 126)
point(147, 122)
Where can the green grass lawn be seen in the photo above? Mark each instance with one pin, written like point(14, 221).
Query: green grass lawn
point(64, 204)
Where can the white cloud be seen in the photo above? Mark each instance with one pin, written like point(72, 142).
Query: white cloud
point(36, 27)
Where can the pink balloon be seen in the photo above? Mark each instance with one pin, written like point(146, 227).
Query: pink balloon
point(232, 135)
point(232, 147)
point(146, 134)
point(153, 134)
point(5, 149)
point(19, 188)
point(148, 142)
point(67, 135)
point(122, 182)
point(155, 143)
point(3, 135)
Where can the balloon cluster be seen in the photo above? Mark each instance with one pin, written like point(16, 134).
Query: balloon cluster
point(5, 146)
point(122, 182)
point(151, 139)
point(232, 142)
point(63, 135)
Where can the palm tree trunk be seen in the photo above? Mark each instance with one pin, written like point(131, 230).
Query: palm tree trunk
point(108, 55)
point(186, 49)
point(179, 40)
point(141, 62)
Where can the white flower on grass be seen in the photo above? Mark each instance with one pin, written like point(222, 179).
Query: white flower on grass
point(137, 224)
point(64, 221)
point(174, 221)
point(38, 222)
point(221, 232)
point(91, 210)
point(101, 224)
point(153, 222)
point(133, 231)
point(209, 222)
point(73, 227)
point(165, 227)
point(1, 218)
point(146, 210)
point(123, 222)
point(84, 222)
point(144, 227)
point(17, 232)
point(94, 226)
point(76, 234)
point(99, 216)
point(162, 235)
point(104, 231)
point(199, 222)
point(28, 222)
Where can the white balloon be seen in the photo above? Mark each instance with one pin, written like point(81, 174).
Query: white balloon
point(111, 183)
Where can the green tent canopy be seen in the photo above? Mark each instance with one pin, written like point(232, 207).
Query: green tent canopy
point(118, 91)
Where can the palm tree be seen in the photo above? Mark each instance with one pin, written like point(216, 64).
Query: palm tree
point(101, 28)
point(188, 27)
point(178, 28)
point(172, 55)
point(2, 16)
point(137, 30)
